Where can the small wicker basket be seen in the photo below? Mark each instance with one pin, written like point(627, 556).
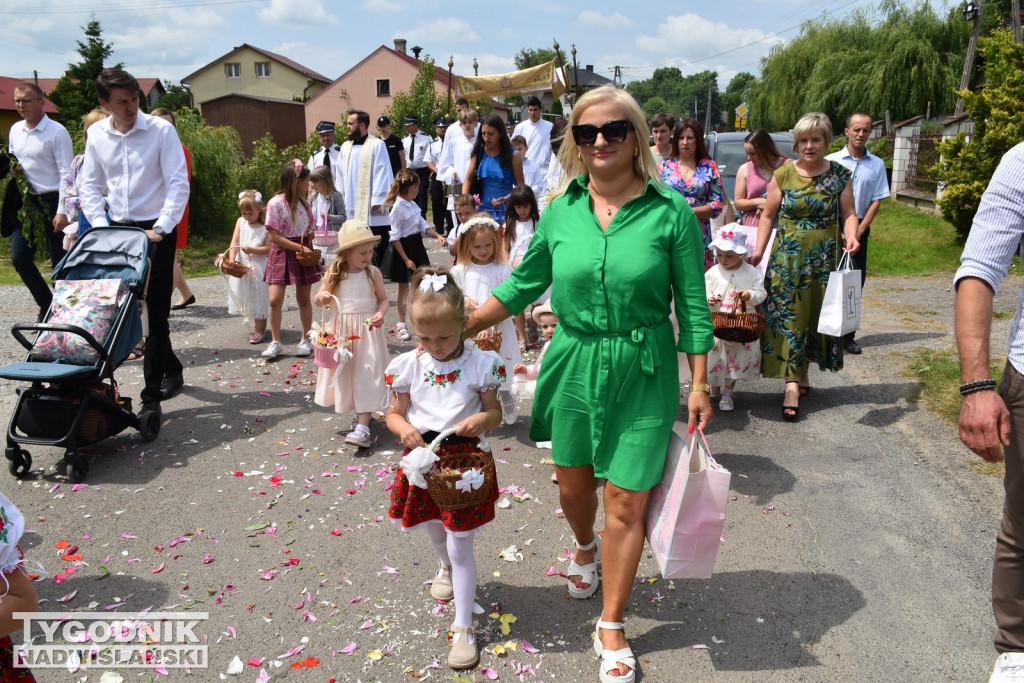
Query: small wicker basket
point(230, 266)
point(442, 482)
point(738, 325)
point(327, 356)
point(489, 342)
point(307, 258)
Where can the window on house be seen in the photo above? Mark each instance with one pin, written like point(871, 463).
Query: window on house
point(233, 70)
point(262, 69)
point(383, 87)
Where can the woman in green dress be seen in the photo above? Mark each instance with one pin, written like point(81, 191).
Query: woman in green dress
point(617, 246)
point(812, 198)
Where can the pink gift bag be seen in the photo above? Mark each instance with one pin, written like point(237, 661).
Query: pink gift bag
point(686, 512)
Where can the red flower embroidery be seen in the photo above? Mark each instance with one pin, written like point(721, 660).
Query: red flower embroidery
point(501, 371)
point(439, 379)
point(389, 379)
point(451, 376)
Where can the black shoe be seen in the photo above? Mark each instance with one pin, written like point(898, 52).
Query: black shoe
point(170, 386)
point(151, 407)
point(187, 302)
point(853, 347)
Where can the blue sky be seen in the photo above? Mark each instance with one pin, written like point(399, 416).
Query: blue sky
point(171, 38)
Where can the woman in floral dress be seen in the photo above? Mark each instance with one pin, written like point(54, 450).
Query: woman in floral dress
point(813, 201)
point(689, 171)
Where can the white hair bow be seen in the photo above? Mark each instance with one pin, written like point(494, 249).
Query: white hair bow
point(435, 282)
point(471, 480)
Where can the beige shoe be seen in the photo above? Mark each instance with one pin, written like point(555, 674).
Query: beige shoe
point(441, 588)
point(464, 653)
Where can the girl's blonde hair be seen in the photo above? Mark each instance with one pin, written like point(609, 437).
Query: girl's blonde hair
point(92, 117)
point(248, 202)
point(336, 270)
point(404, 179)
point(322, 175)
point(429, 306)
point(644, 166)
point(465, 250)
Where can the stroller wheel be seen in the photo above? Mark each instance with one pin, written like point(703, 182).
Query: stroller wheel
point(77, 465)
point(20, 461)
point(149, 425)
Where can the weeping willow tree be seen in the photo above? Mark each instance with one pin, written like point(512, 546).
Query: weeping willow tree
point(900, 63)
point(216, 157)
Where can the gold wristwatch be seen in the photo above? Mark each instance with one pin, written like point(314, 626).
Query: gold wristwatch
point(706, 388)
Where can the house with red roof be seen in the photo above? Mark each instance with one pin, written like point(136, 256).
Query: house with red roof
point(254, 72)
point(371, 85)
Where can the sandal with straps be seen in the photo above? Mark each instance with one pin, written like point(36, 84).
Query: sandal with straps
point(586, 572)
point(614, 660)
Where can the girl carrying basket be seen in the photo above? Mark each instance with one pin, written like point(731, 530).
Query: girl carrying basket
point(358, 385)
point(444, 383)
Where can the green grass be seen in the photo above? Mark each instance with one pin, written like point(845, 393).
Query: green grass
point(908, 241)
point(196, 259)
point(938, 377)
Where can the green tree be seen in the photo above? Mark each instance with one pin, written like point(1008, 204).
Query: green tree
point(534, 56)
point(422, 100)
point(655, 105)
point(966, 167)
point(686, 96)
point(262, 171)
point(175, 97)
point(75, 92)
point(908, 59)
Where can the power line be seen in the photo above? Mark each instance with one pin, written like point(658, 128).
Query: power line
point(126, 7)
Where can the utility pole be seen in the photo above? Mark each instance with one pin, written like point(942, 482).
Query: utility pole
point(972, 49)
point(1015, 10)
point(707, 114)
point(617, 77)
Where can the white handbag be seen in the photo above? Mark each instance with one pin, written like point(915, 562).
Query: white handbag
point(840, 310)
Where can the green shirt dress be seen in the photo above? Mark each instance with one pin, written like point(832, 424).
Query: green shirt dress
point(608, 391)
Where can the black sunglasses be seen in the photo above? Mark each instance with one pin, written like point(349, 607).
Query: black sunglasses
point(613, 132)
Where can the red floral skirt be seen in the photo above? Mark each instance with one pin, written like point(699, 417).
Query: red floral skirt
point(8, 674)
point(413, 505)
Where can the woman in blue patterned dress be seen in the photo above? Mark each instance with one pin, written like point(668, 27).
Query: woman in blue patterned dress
point(813, 200)
point(690, 172)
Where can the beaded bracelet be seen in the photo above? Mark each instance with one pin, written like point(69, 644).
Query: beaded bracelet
point(974, 387)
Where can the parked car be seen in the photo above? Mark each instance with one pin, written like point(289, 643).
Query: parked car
point(726, 150)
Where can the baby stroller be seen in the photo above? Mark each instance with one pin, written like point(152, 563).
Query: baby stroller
point(89, 330)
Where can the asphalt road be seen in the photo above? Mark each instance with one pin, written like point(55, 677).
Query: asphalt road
point(858, 546)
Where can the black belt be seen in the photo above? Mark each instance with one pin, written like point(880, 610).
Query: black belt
point(428, 438)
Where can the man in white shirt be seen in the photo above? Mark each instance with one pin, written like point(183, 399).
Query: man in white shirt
point(135, 164)
point(328, 153)
point(870, 187)
point(555, 177)
point(442, 217)
point(537, 132)
point(44, 152)
point(366, 179)
point(415, 145)
point(457, 150)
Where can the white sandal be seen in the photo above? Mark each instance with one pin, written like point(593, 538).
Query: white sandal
point(726, 403)
point(611, 659)
point(586, 572)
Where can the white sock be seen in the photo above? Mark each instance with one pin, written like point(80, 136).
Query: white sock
point(439, 540)
point(460, 550)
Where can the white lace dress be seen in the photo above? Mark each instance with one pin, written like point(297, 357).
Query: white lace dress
point(249, 295)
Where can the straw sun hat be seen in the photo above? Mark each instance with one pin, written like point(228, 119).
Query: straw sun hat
point(353, 233)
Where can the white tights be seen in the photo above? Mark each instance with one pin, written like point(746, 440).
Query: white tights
point(457, 552)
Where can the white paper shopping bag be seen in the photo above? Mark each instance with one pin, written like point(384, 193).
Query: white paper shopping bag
point(840, 310)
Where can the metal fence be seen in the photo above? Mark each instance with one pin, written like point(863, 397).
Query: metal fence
point(924, 153)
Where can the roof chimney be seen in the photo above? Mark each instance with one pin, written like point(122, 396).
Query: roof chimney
point(590, 68)
point(400, 44)
point(416, 50)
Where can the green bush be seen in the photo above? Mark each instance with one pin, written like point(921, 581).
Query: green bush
point(216, 158)
point(262, 171)
point(998, 125)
